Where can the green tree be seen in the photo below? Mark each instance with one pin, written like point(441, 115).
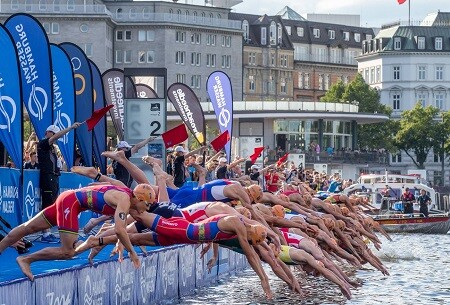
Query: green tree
point(371, 136)
point(441, 139)
point(419, 133)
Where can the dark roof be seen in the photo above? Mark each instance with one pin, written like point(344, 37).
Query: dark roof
point(436, 19)
point(409, 36)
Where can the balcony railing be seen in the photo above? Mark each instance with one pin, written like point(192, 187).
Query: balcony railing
point(281, 106)
point(61, 9)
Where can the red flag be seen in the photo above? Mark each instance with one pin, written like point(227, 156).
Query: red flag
point(175, 135)
point(282, 159)
point(401, 1)
point(220, 142)
point(96, 117)
point(257, 151)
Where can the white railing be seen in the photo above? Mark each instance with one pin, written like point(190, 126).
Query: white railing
point(281, 106)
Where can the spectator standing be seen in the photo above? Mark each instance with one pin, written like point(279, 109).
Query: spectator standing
point(424, 200)
point(179, 168)
point(49, 170)
point(32, 164)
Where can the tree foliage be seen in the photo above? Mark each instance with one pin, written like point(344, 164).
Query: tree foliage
point(370, 136)
point(419, 133)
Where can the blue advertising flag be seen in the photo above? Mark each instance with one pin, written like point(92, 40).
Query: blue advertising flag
point(221, 95)
point(10, 97)
point(113, 84)
point(34, 60)
point(63, 101)
point(99, 131)
point(83, 100)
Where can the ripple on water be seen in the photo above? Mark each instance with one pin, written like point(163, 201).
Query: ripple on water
point(420, 274)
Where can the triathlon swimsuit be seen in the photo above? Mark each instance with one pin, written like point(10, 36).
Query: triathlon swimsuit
point(64, 212)
point(180, 231)
point(292, 239)
point(211, 191)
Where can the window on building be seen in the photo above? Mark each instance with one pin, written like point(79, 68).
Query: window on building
point(141, 57)
point(397, 43)
point(289, 30)
point(119, 13)
point(245, 28)
point(300, 80)
point(272, 59)
point(251, 83)
point(366, 75)
point(132, 13)
point(321, 81)
point(396, 72)
point(263, 36)
point(70, 5)
point(46, 26)
point(300, 32)
point(119, 56)
point(196, 38)
point(181, 78)
point(127, 56)
point(194, 16)
point(331, 34)
point(15, 5)
point(119, 35)
point(283, 86)
point(372, 75)
point(396, 101)
point(279, 34)
point(210, 60)
point(357, 37)
point(422, 98)
point(378, 74)
point(180, 57)
point(307, 81)
point(438, 43)
point(273, 33)
point(196, 81)
point(316, 33)
point(397, 158)
point(421, 71)
point(145, 13)
point(180, 36)
point(252, 58)
point(42, 5)
point(439, 72)
point(346, 36)
point(127, 36)
point(327, 81)
point(146, 35)
point(439, 100)
point(421, 43)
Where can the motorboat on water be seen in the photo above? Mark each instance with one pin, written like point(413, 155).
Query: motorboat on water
point(383, 192)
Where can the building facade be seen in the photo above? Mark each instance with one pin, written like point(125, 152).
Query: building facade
point(410, 65)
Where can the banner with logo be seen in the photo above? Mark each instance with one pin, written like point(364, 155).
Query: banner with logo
point(10, 97)
point(93, 287)
point(56, 289)
point(188, 107)
point(130, 88)
point(145, 91)
point(83, 100)
point(186, 267)
point(19, 292)
point(31, 194)
point(99, 131)
point(123, 285)
point(167, 284)
point(63, 101)
point(113, 84)
point(10, 208)
point(147, 279)
point(35, 66)
point(221, 95)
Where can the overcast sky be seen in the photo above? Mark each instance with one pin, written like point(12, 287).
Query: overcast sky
point(373, 13)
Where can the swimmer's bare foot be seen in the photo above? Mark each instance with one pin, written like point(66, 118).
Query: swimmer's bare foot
point(24, 265)
point(144, 250)
point(151, 160)
point(89, 243)
point(93, 253)
point(115, 155)
point(346, 292)
point(158, 172)
point(83, 170)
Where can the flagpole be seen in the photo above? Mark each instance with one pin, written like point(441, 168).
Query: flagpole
point(409, 12)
